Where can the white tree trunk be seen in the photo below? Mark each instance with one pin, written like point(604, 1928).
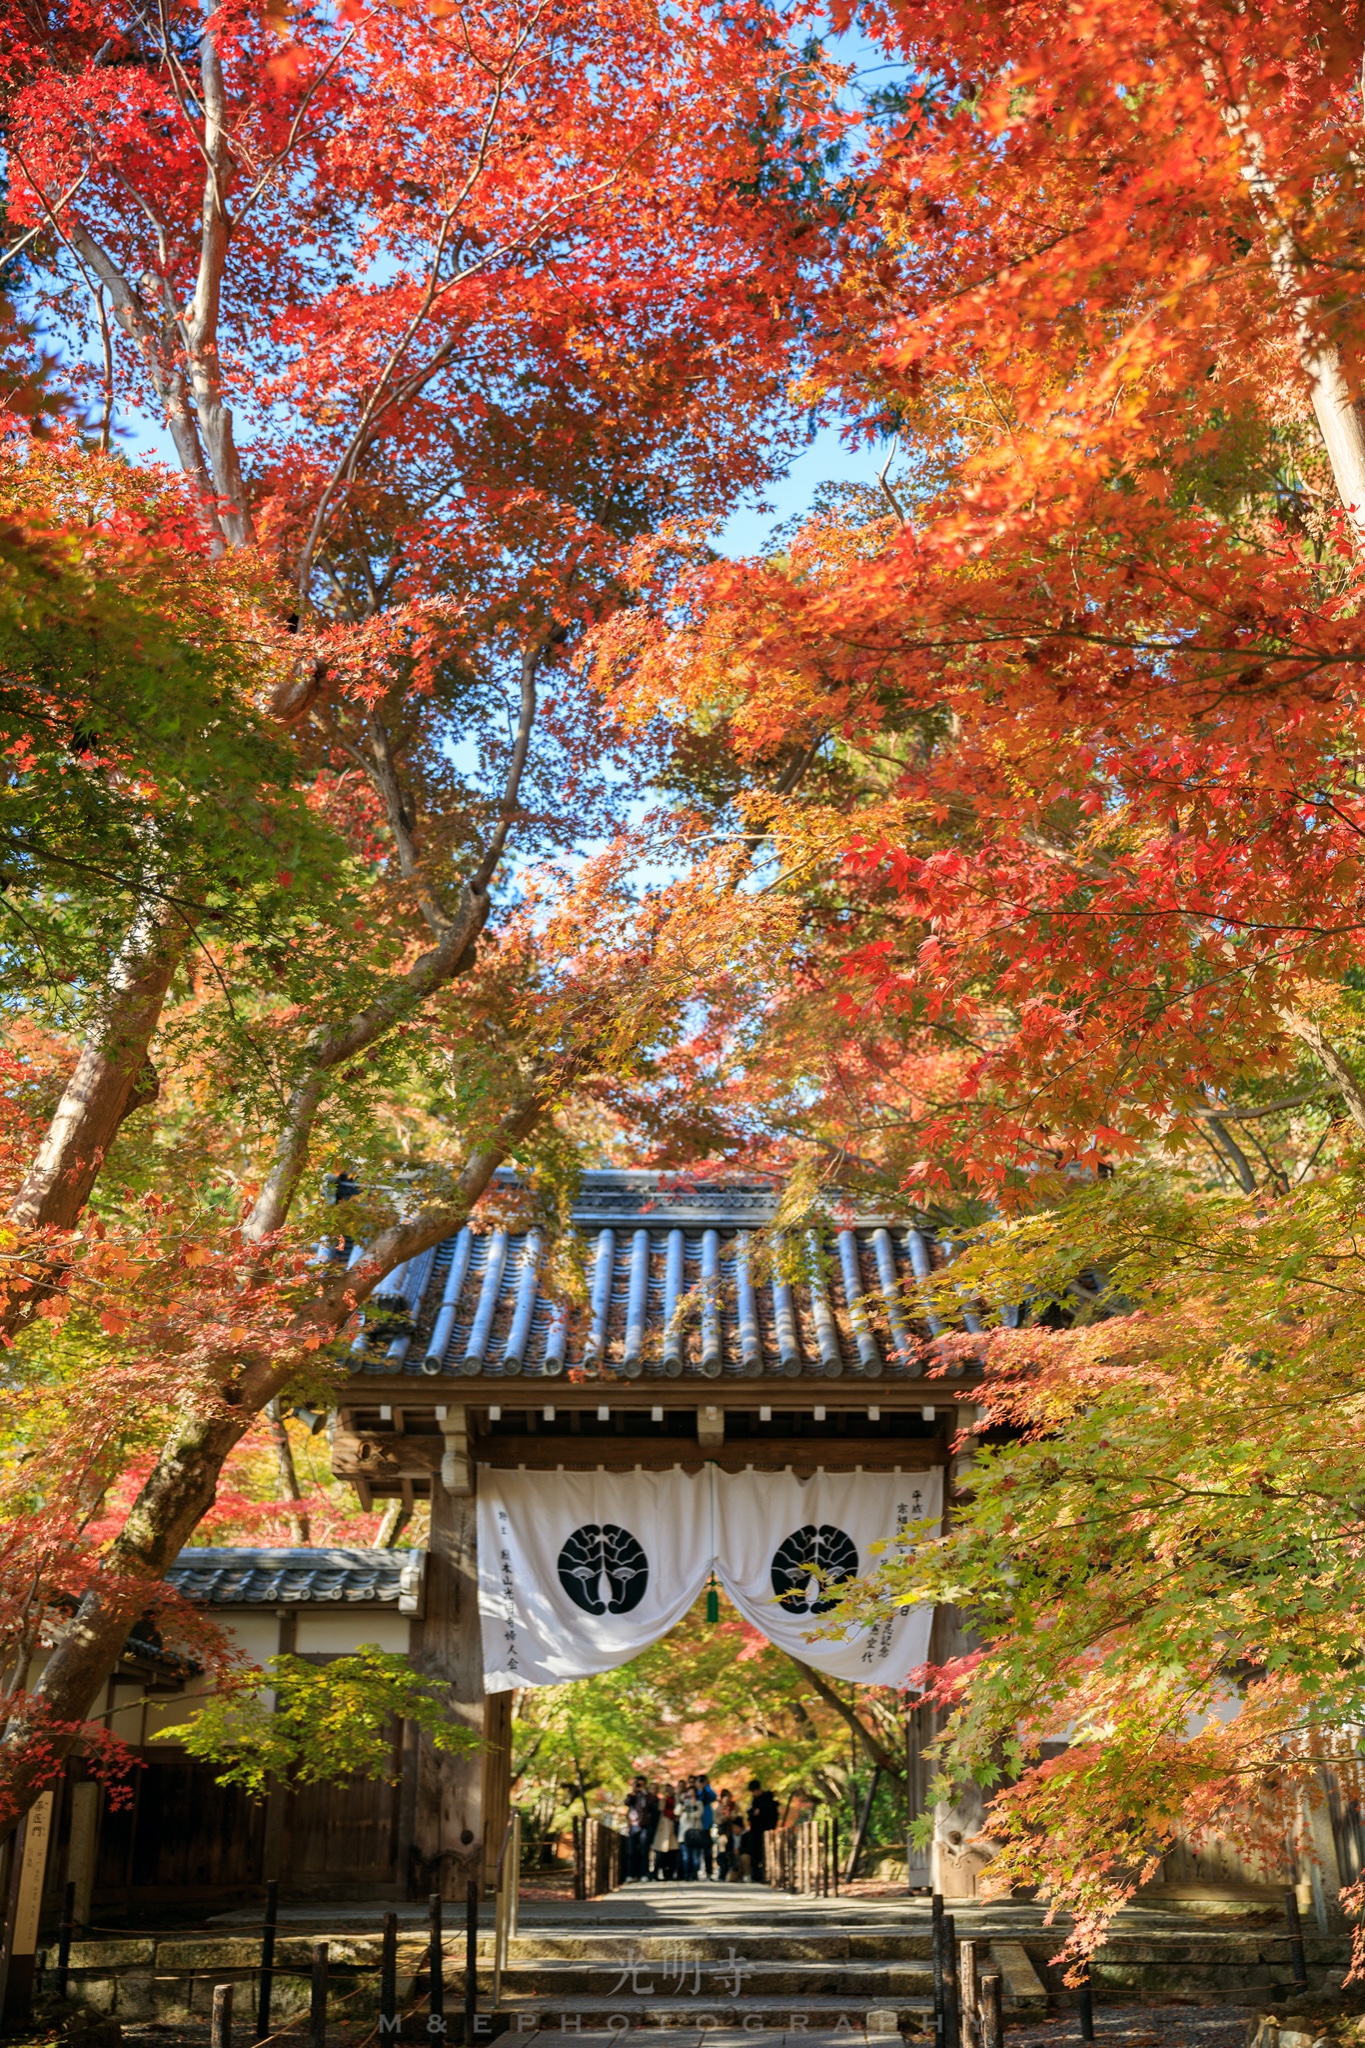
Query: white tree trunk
point(1335, 410)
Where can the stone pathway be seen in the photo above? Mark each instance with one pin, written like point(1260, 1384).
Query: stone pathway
point(1125, 2026)
point(1143, 2026)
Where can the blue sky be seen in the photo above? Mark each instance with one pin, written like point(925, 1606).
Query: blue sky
point(826, 460)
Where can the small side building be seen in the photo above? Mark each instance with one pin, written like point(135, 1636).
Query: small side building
point(182, 1839)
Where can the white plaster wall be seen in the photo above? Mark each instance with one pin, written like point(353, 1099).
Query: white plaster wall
point(322, 1635)
point(255, 1633)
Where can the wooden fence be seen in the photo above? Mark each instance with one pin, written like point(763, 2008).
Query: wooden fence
point(599, 1854)
point(804, 1857)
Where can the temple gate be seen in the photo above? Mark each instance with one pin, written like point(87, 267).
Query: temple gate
point(690, 1352)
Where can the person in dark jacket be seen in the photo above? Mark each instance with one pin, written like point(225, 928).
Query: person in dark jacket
point(707, 1797)
point(729, 1831)
point(762, 1821)
point(639, 1832)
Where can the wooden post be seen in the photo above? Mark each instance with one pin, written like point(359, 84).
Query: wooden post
point(28, 1867)
point(496, 1798)
point(436, 1994)
point(967, 1991)
point(1086, 2007)
point(64, 1937)
point(1324, 1868)
point(919, 1732)
point(265, 1984)
point(471, 1960)
point(279, 1799)
point(954, 1861)
point(911, 1758)
point(992, 2021)
point(317, 1998)
point(220, 2025)
point(388, 1978)
point(936, 1922)
point(952, 2012)
point(450, 1648)
point(504, 1911)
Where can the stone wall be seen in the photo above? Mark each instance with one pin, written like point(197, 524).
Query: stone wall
point(171, 1977)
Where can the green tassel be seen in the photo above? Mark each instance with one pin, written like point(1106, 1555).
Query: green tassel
point(712, 1599)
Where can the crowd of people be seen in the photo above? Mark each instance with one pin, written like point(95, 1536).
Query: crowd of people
point(689, 1831)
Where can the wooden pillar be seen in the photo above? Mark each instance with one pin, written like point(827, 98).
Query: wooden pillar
point(278, 1796)
point(497, 1777)
point(919, 1733)
point(448, 1789)
point(83, 1846)
point(960, 1847)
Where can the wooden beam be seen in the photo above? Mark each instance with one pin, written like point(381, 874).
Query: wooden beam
point(419, 1398)
point(387, 1462)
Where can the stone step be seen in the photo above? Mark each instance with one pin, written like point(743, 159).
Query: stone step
point(843, 2017)
point(740, 1977)
point(721, 1944)
point(775, 2032)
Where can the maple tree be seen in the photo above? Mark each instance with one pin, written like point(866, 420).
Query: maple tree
point(1079, 863)
point(140, 768)
point(440, 311)
point(322, 1724)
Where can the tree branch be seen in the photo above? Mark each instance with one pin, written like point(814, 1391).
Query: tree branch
point(1329, 392)
point(383, 772)
point(51, 209)
point(876, 1750)
point(1258, 1109)
point(1233, 1154)
point(201, 315)
point(107, 1083)
point(446, 959)
point(332, 1049)
point(1310, 1034)
point(289, 1478)
point(531, 657)
point(167, 376)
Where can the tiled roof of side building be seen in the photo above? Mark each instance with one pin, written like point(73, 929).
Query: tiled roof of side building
point(232, 1577)
point(676, 1290)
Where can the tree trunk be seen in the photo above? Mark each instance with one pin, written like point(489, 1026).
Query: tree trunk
point(108, 1081)
point(874, 1747)
point(289, 1478)
point(397, 1514)
point(1310, 1034)
point(178, 1491)
point(1334, 408)
point(112, 1078)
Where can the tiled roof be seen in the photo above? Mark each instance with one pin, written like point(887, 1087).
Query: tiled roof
point(677, 1290)
point(313, 1577)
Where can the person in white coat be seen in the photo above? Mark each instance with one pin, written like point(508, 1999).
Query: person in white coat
point(666, 1836)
